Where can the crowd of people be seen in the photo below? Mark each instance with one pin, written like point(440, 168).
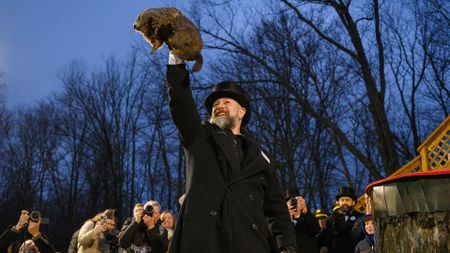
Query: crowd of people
point(345, 230)
point(150, 230)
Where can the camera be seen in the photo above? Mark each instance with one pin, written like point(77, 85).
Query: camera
point(35, 216)
point(103, 219)
point(148, 210)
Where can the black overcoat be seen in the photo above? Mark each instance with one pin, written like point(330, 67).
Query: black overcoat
point(341, 227)
point(306, 227)
point(228, 208)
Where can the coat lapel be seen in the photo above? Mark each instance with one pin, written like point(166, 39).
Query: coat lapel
point(256, 165)
point(223, 141)
point(254, 160)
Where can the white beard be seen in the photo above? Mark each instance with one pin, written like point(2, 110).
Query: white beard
point(224, 122)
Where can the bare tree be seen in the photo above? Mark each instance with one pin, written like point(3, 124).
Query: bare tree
point(337, 47)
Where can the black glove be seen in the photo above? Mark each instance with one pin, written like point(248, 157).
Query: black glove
point(288, 249)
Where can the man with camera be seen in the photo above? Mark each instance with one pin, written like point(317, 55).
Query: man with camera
point(143, 232)
point(305, 224)
point(27, 228)
point(341, 221)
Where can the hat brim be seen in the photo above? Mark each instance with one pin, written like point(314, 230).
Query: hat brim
point(346, 195)
point(213, 96)
point(321, 215)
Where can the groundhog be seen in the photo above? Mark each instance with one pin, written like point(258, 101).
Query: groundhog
point(169, 25)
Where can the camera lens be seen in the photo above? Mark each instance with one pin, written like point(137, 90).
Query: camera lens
point(148, 210)
point(35, 216)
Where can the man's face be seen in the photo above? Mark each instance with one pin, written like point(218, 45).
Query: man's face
point(111, 224)
point(322, 222)
point(346, 203)
point(138, 209)
point(368, 225)
point(156, 212)
point(227, 113)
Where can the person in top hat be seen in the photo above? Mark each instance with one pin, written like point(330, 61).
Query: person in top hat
point(233, 200)
point(341, 221)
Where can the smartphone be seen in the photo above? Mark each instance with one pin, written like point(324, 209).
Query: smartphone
point(293, 203)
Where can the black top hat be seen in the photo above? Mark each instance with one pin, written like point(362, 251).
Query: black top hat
point(229, 89)
point(346, 191)
point(320, 213)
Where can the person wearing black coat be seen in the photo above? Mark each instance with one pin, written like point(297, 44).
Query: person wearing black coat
point(305, 224)
point(325, 236)
point(26, 229)
point(341, 222)
point(144, 232)
point(233, 196)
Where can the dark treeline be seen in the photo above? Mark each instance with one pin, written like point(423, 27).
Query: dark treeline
point(342, 93)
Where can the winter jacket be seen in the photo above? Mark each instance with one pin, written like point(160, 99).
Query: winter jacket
point(11, 240)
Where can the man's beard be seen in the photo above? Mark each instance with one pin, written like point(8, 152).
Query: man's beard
point(346, 208)
point(226, 122)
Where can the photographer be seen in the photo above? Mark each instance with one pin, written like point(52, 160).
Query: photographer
point(144, 232)
point(97, 234)
point(27, 228)
point(305, 224)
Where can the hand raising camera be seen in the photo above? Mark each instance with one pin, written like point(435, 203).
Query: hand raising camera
point(100, 226)
point(138, 213)
point(149, 221)
point(23, 220)
point(33, 227)
point(297, 206)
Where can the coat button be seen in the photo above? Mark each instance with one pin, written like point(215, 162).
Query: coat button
point(254, 227)
point(251, 197)
point(262, 177)
point(213, 213)
point(229, 189)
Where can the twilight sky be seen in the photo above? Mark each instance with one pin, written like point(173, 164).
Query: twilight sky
point(37, 38)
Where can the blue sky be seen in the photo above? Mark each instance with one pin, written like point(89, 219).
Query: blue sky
point(37, 38)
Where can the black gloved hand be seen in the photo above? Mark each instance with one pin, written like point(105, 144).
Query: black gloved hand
point(288, 249)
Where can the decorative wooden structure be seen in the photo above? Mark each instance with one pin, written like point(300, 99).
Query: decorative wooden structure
point(411, 212)
point(434, 154)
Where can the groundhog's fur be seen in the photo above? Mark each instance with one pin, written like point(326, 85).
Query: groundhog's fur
point(169, 25)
